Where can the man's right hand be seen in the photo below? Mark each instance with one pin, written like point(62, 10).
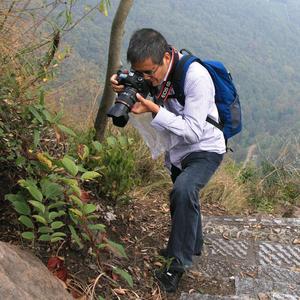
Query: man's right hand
point(115, 85)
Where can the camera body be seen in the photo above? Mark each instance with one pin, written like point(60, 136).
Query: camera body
point(134, 82)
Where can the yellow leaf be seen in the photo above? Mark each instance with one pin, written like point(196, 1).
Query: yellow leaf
point(43, 159)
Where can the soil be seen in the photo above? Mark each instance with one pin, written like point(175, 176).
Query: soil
point(142, 227)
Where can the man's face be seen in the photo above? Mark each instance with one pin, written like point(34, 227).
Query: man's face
point(155, 73)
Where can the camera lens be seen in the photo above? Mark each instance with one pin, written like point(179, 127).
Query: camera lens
point(124, 102)
point(119, 114)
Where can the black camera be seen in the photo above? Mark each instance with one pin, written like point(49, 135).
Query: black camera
point(134, 82)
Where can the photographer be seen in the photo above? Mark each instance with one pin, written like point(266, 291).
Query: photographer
point(195, 147)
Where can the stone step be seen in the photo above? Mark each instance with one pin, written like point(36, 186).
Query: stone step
point(278, 274)
point(261, 255)
point(252, 286)
point(196, 296)
point(225, 258)
point(260, 296)
point(278, 296)
point(272, 229)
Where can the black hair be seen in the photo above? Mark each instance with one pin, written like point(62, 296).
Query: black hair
point(147, 43)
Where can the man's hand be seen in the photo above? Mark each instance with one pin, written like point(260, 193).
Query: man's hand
point(115, 85)
point(144, 105)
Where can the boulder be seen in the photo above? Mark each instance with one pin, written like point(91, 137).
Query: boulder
point(23, 276)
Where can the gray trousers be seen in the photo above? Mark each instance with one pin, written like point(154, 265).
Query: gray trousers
point(186, 238)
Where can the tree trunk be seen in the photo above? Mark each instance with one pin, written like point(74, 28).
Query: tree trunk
point(113, 65)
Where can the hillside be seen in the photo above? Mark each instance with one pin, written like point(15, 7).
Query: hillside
point(257, 40)
point(97, 213)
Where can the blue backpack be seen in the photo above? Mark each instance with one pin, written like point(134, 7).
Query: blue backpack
point(226, 96)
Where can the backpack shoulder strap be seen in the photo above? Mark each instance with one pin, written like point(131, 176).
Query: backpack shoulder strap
point(180, 74)
point(179, 79)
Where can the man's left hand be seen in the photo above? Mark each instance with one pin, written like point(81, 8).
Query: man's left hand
point(144, 105)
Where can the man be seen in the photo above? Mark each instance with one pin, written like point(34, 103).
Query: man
point(195, 147)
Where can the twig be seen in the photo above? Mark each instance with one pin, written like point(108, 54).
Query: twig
point(57, 252)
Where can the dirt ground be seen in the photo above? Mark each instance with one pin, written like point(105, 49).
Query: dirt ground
point(142, 227)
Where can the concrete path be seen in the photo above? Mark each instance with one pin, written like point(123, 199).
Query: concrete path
point(260, 255)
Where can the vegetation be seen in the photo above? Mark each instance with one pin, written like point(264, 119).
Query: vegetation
point(255, 39)
point(57, 178)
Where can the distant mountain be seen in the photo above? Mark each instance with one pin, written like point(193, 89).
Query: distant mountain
point(258, 40)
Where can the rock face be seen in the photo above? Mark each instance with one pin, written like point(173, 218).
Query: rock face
point(23, 276)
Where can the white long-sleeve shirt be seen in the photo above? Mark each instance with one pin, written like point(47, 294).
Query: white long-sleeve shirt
point(187, 128)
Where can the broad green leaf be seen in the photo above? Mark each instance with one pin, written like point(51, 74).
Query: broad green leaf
point(40, 219)
point(66, 130)
point(35, 192)
point(70, 181)
point(89, 175)
point(51, 190)
point(70, 166)
point(73, 218)
point(76, 212)
point(89, 208)
point(14, 197)
point(92, 217)
point(22, 207)
point(44, 238)
point(54, 214)
point(56, 239)
point(58, 234)
point(82, 169)
point(125, 275)
point(45, 229)
point(57, 224)
point(57, 204)
point(26, 221)
point(28, 235)
point(99, 227)
point(76, 201)
point(40, 206)
point(76, 189)
point(116, 248)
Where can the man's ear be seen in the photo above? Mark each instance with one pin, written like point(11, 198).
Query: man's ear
point(167, 57)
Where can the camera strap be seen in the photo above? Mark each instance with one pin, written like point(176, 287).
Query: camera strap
point(167, 84)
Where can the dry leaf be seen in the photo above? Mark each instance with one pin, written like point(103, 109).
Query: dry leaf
point(55, 263)
point(120, 291)
point(56, 266)
point(158, 264)
point(225, 236)
point(84, 196)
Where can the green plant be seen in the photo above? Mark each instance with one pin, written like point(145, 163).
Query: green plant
point(49, 193)
point(52, 204)
point(114, 159)
point(118, 162)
